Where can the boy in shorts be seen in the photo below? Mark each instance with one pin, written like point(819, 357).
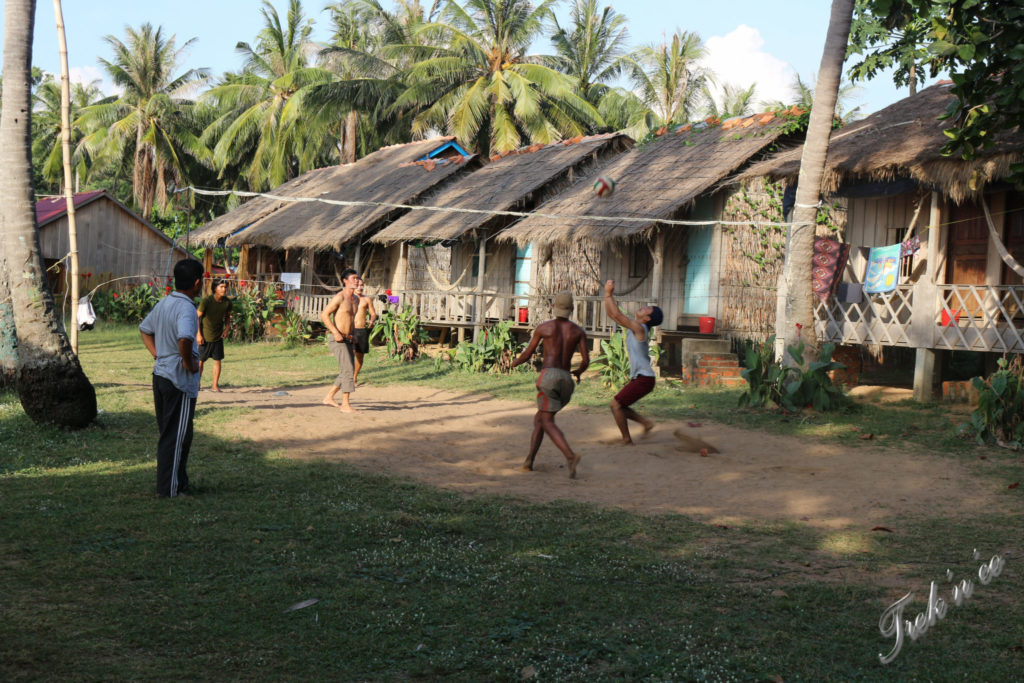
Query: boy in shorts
point(366, 317)
point(562, 338)
point(214, 318)
point(641, 374)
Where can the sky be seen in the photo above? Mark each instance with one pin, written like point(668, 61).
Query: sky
point(748, 41)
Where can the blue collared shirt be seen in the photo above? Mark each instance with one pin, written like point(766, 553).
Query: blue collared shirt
point(173, 318)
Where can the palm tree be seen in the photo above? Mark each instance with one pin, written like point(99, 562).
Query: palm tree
point(46, 129)
point(736, 101)
point(797, 272)
point(259, 122)
point(368, 52)
point(50, 381)
point(152, 120)
point(669, 77)
point(480, 84)
point(803, 97)
point(591, 48)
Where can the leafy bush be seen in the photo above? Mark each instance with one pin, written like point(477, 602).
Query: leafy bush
point(253, 310)
point(613, 362)
point(999, 416)
point(401, 332)
point(494, 352)
point(791, 388)
point(128, 306)
point(294, 330)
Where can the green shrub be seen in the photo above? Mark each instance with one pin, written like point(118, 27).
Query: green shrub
point(252, 311)
point(999, 416)
point(791, 388)
point(401, 332)
point(294, 330)
point(126, 306)
point(494, 352)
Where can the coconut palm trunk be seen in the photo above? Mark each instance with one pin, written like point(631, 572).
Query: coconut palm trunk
point(69, 197)
point(798, 324)
point(50, 381)
point(8, 337)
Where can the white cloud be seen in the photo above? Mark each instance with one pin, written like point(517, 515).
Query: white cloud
point(737, 58)
point(87, 74)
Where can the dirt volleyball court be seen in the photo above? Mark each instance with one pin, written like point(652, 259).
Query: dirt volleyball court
point(475, 444)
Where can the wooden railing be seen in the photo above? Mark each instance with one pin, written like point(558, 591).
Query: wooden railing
point(459, 309)
point(954, 317)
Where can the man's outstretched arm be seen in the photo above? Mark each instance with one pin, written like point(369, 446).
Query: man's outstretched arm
point(613, 311)
point(528, 351)
point(584, 358)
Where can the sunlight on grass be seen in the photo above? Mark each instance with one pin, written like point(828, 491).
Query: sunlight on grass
point(847, 543)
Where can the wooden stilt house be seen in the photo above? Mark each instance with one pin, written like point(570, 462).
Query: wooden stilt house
point(315, 224)
point(630, 236)
point(961, 290)
point(455, 275)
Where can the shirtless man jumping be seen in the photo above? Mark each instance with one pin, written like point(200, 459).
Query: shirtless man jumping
point(338, 317)
point(555, 385)
point(366, 316)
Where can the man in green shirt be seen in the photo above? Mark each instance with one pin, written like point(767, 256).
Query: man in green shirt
point(214, 317)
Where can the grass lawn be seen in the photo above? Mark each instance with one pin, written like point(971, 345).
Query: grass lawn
point(100, 580)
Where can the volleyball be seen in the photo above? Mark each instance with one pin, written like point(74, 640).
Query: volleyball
point(604, 186)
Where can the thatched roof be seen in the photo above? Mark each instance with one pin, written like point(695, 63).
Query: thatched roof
point(393, 175)
point(657, 180)
point(903, 141)
point(502, 185)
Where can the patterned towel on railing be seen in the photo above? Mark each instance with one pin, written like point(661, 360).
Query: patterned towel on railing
point(883, 269)
point(827, 265)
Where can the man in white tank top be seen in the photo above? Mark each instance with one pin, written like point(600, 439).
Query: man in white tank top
point(641, 374)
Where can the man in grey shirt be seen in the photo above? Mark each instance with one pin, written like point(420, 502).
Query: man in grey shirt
point(169, 334)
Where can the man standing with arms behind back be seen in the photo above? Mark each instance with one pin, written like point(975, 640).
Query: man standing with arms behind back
point(169, 334)
point(214, 317)
point(555, 385)
point(339, 319)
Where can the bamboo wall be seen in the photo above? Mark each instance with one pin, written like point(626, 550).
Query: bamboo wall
point(112, 243)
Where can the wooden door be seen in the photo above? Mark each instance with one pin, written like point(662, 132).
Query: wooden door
point(967, 253)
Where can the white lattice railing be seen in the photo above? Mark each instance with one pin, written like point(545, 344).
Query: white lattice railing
point(981, 318)
point(955, 317)
point(882, 320)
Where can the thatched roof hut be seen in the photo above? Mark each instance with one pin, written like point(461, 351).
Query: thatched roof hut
point(398, 174)
point(507, 183)
point(903, 141)
point(656, 180)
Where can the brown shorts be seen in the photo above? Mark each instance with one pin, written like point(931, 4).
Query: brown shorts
point(554, 389)
point(635, 389)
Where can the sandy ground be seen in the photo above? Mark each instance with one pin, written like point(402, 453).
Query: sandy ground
point(475, 444)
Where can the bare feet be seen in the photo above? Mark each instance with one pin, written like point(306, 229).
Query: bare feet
point(217, 389)
point(525, 468)
point(648, 426)
point(331, 402)
point(573, 461)
point(347, 409)
point(617, 442)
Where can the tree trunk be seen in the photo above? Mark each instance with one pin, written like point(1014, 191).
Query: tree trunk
point(8, 337)
point(798, 324)
point(349, 137)
point(69, 197)
point(50, 381)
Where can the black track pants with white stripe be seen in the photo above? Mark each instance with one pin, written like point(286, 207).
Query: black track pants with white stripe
point(174, 413)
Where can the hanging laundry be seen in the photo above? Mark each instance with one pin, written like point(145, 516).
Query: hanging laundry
point(827, 265)
point(883, 269)
point(911, 246)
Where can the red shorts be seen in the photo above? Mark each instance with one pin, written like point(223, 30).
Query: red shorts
point(635, 389)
